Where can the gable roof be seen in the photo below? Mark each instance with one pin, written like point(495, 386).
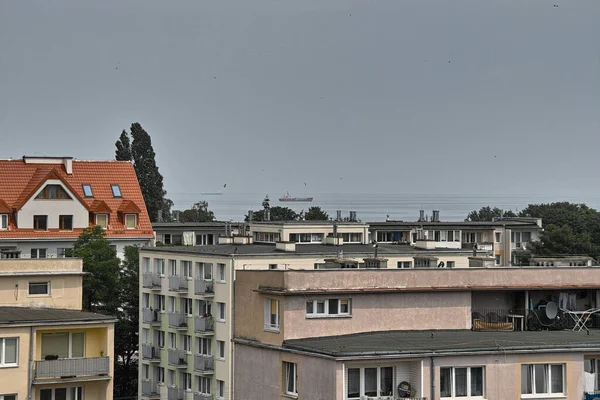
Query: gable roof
point(4, 208)
point(19, 180)
point(128, 207)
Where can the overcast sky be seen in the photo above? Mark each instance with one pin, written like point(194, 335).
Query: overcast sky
point(392, 96)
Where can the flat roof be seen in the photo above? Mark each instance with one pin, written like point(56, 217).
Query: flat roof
point(443, 342)
point(177, 224)
point(29, 315)
point(448, 224)
point(254, 249)
point(310, 222)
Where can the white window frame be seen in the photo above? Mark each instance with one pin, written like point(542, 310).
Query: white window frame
point(187, 306)
point(159, 374)
point(12, 396)
point(548, 394)
point(160, 338)
point(289, 368)
point(172, 340)
point(48, 291)
point(221, 273)
point(349, 235)
point(3, 362)
point(159, 266)
point(361, 377)
point(127, 225)
point(3, 222)
point(185, 268)
point(187, 381)
point(453, 382)
point(100, 216)
point(326, 313)
point(69, 342)
point(404, 264)
point(186, 343)
point(37, 252)
point(221, 316)
point(204, 346)
point(204, 271)
point(220, 389)
point(270, 326)
point(172, 269)
point(203, 384)
point(221, 350)
point(595, 366)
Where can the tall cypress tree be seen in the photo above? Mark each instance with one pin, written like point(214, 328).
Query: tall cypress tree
point(123, 152)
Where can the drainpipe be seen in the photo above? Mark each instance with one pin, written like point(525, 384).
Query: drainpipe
point(231, 326)
point(432, 378)
point(30, 370)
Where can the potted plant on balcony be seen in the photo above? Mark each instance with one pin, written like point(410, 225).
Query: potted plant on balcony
point(50, 357)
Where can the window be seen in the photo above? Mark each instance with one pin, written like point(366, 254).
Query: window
point(352, 237)
point(187, 381)
point(272, 315)
point(40, 222)
point(220, 349)
point(203, 384)
point(3, 222)
point(497, 236)
point(9, 397)
point(159, 302)
point(171, 304)
point(9, 352)
point(159, 338)
point(63, 252)
point(159, 266)
point(87, 190)
point(461, 382)
point(374, 381)
point(39, 288)
point(591, 367)
point(145, 371)
point(306, 237)
point(542, 379)
point(204, 346)
point(186, 268)
point(172, 267)
point(267, 237)
point(171, 377)
point(159, 374)
point(272, 266)
point(404, 264)
point(146, 265)
point(102, 220)
point(450, 264)
point(203, 308)
point(497, 259)
point(116, 190)
point(63, 344)
point(76, 393)
point(221, 311)
point(328, 308)
point(186, 306)
point(221, 388)
point(291, 378)
point(130, 221)
point(221, 273)
point(54, 192)
point(186, 341)
point(172, 340)
point(38, 253)
point(65, 222)
point(167, 238)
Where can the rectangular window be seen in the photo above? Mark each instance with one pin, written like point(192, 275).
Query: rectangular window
point(329, 307)
point(159, 266)
point(14, 397)
point(145, 371)
point(116, 190)
point(458, 382)
point(204, 346)
point(352, 237)
point(63, 344)
point(186, 306)
point(172, 340)
point(221, 273)
point(450, 264)
point(221, 389)
point(220, 349)
point(159, 302)
point(39, 288)
point(3, 222)
point(186, 268)
point(203, 384)
point(167, 238)
point(9, 352)
point(542, 379)
point(204, 271)
point(38, 253)
point(65, 222)
point(171, 304)
point(63, 252)
point(130, 221)
point(272, 266)
point(159, 338)
point(87, 190)
point(592, 367)
point(159, 374)
point(404, 264)
point(186, 341)
point(497, 259)
point(102, 220)
point(497, 236)
point(172, 267)
point(271, 315)
point(187, 381)
point(203, 308)
point(40, 222)
point(221, 312)
point(290, 378)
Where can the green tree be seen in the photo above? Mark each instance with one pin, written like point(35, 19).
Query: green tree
point(488, 214)
point(198, 213)
point(277, 214)
point(140, 151)
point(101, 286)
point(315, 213)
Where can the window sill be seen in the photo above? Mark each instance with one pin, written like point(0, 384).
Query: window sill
point(272, 330)
point(220, 320)
point(220, 281)
point(289, 395)
point(9, 366)
point(544, 396)
point(219, 359)
point(39, 295)
point(328, 316)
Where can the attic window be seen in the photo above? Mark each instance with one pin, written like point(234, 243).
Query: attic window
point(116, 190)
point(53, 192)
point(87, 190)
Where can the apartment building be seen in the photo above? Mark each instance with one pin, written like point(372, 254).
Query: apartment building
point(47, 202)
point(478, 333)
point(49, 348)
point(186, 295)
point(192, 233)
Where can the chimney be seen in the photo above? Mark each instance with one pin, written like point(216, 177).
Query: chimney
point(421, 215)
point(352, 216)
point(250, 215)
point(436, 216)
point(338, 215)
point(68, 163)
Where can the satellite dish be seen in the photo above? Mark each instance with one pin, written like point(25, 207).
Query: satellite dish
point(404, 390)
point(551, 310)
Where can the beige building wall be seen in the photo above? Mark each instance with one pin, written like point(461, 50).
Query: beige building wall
point(15, 379)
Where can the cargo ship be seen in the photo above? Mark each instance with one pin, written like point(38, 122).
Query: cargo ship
point(287, 197)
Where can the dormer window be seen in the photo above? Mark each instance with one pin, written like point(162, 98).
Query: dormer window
point(87, 190)
point(116, 190)
point(3, 222)
point(130, 221)
point(53, 192)
point(102, 220)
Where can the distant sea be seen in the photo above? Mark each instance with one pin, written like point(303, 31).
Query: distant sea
point(376, 207)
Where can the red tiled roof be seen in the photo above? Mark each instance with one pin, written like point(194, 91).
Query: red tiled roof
point(128, 207)
point(20, 180)
point(4, 208)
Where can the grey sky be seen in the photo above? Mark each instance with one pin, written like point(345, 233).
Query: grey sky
point(394, 96)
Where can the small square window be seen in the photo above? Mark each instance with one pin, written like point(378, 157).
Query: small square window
point(65, 222)
point(40, 222)
point(38, 253)
point(102, 220)
point(116, 190)
point(130, 221)
point(87, 190)
point(39, 288)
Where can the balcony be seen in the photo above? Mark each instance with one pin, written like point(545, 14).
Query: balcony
point(204, 325)
point(178, 358)
point(202, 396)
point(151, 352)
point(150, 388)
point(151, 281)
point(72, 368)
point(495, 319)
point(204, 288)
point(178, 283)
point(150, 316)
point(174, 393)
point(204, 364)
point(178, 321)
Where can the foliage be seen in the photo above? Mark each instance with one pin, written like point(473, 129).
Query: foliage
point(277, 214)
point(140, 151)
point(315, 213)
point(198, 213)
point(100, 263)
point(488, 214)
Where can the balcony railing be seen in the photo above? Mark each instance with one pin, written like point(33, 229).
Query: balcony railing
point(202, 396)
point(178, 357)
point(178, 320)
point(150, 316)
point(204, 287)
point(72, 367)
point(496, 319)
point(178, 283)
point(150, 352)
point(204, 324)
point(151, 280)
point(203, 363)
point(174, 393)
point(150, 388)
